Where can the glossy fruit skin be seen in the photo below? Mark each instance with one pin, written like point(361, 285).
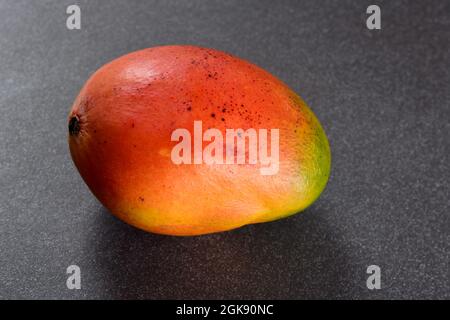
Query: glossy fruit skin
point(120, 128)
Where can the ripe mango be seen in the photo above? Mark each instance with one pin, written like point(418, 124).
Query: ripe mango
point(121, 138)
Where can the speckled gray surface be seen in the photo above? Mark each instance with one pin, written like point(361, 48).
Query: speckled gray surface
point(383, 98)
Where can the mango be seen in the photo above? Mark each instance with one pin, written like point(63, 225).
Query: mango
point(183, 140)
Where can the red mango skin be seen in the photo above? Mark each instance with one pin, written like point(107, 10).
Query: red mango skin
point(121, 145)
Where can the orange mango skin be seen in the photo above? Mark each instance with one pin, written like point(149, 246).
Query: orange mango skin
point(128, 110)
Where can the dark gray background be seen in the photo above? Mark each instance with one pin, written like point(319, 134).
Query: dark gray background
point(383, 99)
